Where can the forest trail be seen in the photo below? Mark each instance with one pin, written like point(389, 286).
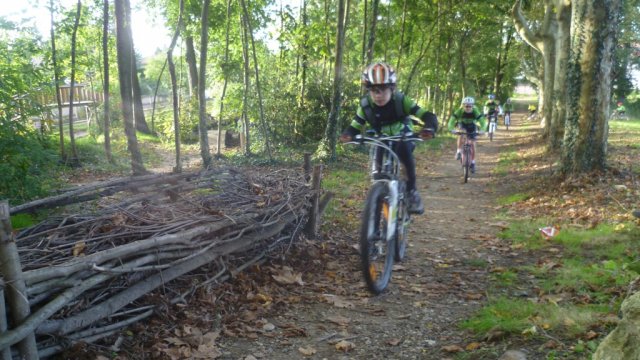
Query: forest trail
point(453, 252)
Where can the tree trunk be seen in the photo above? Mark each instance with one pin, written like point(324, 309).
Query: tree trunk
point(105, 68)
point(402, 29)
point(559, 114)
point(327, 147)
point(225, 73)
point(138, 109)
point(174, 90)
point(56, 78)
point(202, 113)
point(372, 30)
point(593, 27)
point(72, 140)
point(305, 65)
point(364, 34)
point(123, 35)
point(192, 64)
point(265, 129)
point(246, 130)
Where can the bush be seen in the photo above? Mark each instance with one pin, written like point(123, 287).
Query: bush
point(24, 158)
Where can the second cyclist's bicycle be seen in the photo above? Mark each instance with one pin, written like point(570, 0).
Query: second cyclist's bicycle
point(467, 144)
point(507, 120)
point(385, 218)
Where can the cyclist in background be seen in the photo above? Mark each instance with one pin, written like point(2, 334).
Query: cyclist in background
point(491, 107)
point(508, 108)
point(388, 111)
point(532, 110)
point(621, 110)
point(469, 118)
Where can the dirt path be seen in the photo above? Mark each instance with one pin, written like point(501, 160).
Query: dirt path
point(453, 251)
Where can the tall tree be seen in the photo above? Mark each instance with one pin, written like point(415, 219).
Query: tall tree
point(202, 126)
point(105, 69)
point(593, 28)
point(56, 77)
point(125, 58)
point(265, 129)
point(72, 139)
point(225, 72)
point(327, 147)
point(372, 30)
point(174, 90)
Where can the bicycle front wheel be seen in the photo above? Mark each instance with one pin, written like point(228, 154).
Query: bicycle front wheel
point(376, 253)
point(466, 164)
point(402, 230)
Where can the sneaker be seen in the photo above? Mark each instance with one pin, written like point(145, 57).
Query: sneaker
point(636, 213)
point(473, 168)
point(458, 156)
point(415, 203)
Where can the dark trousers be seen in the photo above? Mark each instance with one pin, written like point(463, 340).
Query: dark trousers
point(404, 150)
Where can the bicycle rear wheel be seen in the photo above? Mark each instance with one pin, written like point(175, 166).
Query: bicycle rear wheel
point(376, 253)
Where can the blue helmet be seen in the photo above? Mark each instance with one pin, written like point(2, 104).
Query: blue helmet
point(491, 96)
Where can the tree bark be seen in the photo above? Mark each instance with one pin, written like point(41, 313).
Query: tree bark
point(174, 90)
point(265, 128)
point(225, 73)
point(72, 140)
point(124, 47)
point(593, 27)
point(192, 65)
point(327, 147)
point(202, 125)
point(56, 78)
point(559, 114)
point(246, 130)
point(372, 30)
point(105, 68)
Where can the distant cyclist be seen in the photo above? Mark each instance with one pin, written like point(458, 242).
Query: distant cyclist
point(532, 111)
point(491, 108)
point(469, 118)
point(508, 108)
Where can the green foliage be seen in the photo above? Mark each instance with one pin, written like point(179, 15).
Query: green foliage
point(25, 162)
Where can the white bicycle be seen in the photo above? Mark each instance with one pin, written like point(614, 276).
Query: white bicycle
point(507, 120)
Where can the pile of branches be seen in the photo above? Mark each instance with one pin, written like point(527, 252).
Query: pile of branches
point(89, 275)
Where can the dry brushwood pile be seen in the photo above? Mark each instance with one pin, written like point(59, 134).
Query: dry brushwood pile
point(165, 237)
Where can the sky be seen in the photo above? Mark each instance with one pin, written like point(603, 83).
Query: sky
point(147, 35)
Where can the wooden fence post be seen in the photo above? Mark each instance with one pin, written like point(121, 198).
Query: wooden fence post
point(307, 166)
point(311, 228)
point(15, 288)
point(5, 354)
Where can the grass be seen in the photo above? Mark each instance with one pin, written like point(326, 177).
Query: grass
point(578, 278)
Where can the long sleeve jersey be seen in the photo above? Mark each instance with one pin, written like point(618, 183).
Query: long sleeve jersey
point(460, 116)
point(386, 119)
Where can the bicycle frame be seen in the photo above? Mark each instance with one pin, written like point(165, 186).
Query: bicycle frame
point(385, 167)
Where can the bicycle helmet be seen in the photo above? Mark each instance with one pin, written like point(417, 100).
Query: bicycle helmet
point(468, 100)
point(379, 74)
point(491, 96)
point(508, 100)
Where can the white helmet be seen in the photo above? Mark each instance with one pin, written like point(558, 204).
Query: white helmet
point(468, 100)
point(379, 74)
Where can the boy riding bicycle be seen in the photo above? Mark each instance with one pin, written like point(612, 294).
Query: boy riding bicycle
point(387, 111)
point(469, 118)
point(508, 108)
point(491, 108)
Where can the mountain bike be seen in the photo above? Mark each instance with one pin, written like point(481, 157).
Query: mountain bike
point(465, 159)
point(385, 218)
point(507, 120)
point(493, 125)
